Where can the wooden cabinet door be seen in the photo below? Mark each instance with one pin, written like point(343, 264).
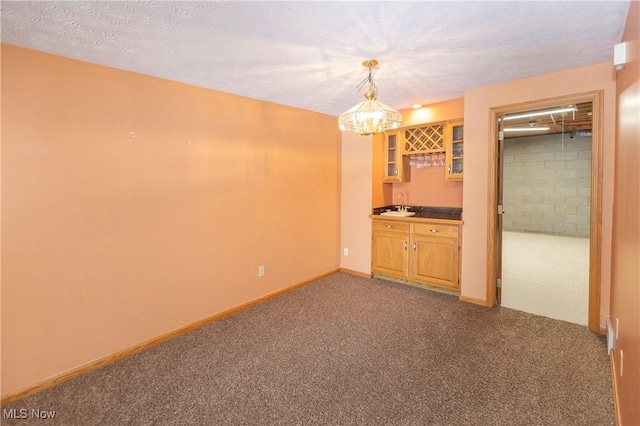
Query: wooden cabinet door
point(434, 261)
point(390, 254)
point(454, 149)
point(395, 169)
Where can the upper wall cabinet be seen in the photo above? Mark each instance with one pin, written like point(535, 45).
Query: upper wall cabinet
point(425, 139)
point(454, 136)
point(400, 144)
point(395, 168)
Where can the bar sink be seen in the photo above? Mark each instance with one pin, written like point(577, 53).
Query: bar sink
point(397, 213)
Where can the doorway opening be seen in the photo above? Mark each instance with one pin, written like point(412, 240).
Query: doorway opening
point(546, 188)
point(544, 208)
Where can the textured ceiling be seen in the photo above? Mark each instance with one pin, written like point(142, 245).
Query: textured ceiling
point(309, 54)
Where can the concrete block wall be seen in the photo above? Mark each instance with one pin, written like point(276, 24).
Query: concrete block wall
point(547, 184)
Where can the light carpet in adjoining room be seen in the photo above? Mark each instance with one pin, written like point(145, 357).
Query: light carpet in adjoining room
point(546, 275)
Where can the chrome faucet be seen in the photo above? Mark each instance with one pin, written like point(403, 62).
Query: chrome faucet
point(402, 208)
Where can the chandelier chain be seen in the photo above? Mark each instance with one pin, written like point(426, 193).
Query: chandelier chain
point(373, 88)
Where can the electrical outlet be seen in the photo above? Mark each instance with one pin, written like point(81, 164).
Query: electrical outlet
point(345, 251)
point(261, 271)
point(611, 334)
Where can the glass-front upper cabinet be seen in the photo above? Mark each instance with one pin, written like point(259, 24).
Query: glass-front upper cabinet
point(395, 169)
point(454, 150)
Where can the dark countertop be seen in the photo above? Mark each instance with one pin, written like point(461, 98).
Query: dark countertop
point(447, 213)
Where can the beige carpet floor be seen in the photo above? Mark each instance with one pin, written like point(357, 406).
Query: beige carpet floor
point(546, 275)
point(346, 350)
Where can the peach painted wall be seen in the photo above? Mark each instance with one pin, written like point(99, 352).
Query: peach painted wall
point(427, 186)
point(625, 278)
point(133, 206)
point(476, 172)
point(452, 109)
point(355, 224)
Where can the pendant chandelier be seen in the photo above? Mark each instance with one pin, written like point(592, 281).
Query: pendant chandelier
point(369, 116)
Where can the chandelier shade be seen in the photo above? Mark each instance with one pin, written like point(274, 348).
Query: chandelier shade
point(369, 116)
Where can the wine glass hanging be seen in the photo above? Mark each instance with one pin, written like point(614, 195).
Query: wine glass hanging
point(422, 161)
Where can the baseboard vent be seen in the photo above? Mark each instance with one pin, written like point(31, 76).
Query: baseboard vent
point(610, 335)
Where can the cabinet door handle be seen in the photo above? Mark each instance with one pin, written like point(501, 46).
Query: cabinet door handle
point(405, 245)
point(434, 230)
point(389, 226)
point(414, 246)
